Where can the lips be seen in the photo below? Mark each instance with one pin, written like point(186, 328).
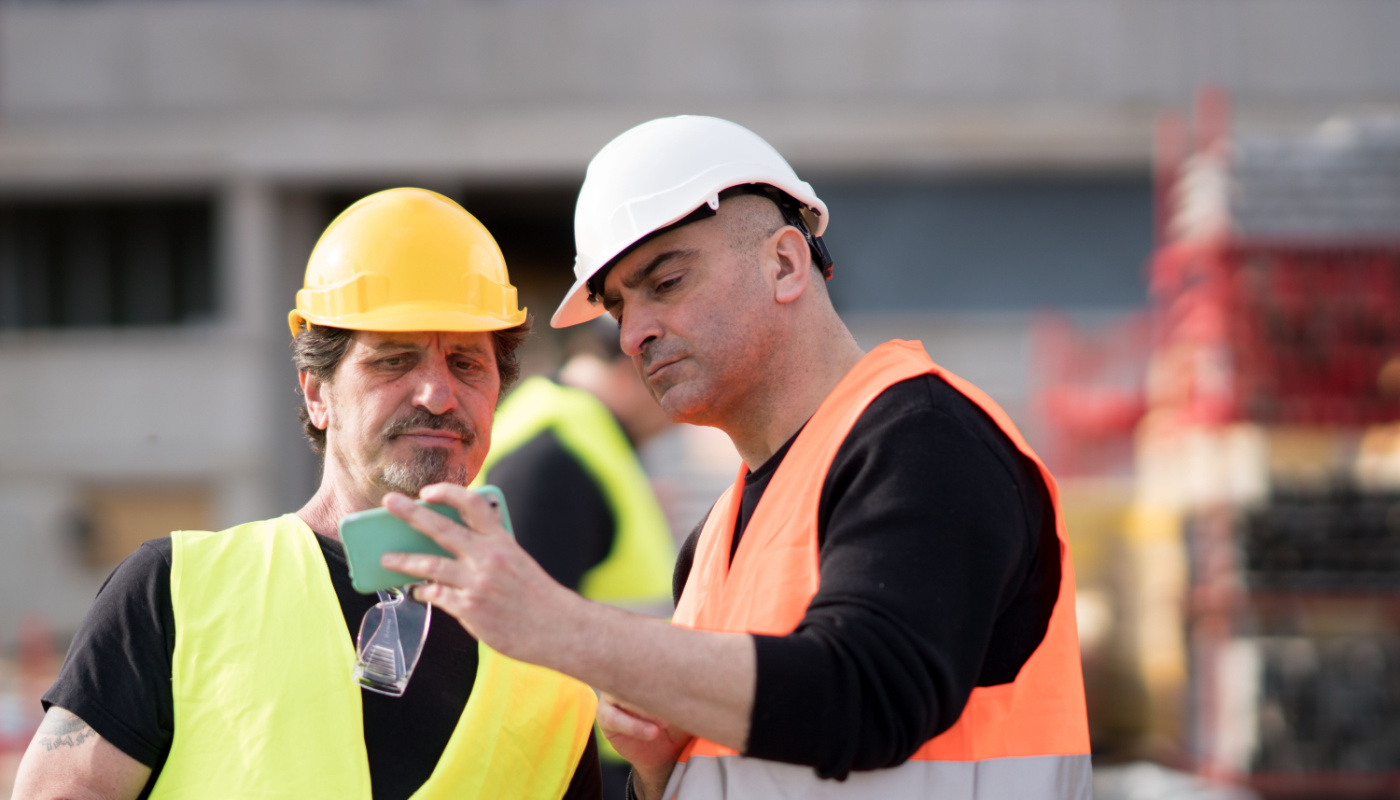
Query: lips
point(443, 437)
point(656, 369)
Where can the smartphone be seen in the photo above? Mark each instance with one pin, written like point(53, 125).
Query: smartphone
point(367, 535)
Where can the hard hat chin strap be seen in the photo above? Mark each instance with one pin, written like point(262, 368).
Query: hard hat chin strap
point(791, 210)
point(820, 255)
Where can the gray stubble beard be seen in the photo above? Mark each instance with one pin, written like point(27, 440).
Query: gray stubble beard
point(427, 466)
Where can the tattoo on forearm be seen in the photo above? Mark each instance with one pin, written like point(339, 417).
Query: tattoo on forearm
point(64, 729)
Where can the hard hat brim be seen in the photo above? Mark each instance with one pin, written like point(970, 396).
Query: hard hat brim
point(575, 308)
point(410, 318)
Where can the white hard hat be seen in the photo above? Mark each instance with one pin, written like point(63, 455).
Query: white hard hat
point(658, 173)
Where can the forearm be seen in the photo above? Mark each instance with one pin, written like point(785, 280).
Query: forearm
point(700, 681)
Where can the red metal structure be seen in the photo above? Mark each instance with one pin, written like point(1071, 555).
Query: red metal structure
point(1276, 300)
point(1276, 281)
point(1089, 392)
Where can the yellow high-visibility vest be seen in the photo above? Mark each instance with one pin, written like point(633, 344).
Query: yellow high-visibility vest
point(266, 707)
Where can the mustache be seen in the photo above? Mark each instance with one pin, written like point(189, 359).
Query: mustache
point(420, 418)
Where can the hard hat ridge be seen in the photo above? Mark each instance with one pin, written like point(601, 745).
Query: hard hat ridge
point(654, 176)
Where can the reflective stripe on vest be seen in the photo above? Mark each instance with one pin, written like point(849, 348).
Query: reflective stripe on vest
point(265, 705)
point(992, 779)
point(1029, 737)
point(637, 570)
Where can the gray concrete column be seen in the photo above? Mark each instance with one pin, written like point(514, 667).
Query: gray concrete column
point(300, 221)
point(248, 309)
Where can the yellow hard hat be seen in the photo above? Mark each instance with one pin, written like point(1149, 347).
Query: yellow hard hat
point(406, 260)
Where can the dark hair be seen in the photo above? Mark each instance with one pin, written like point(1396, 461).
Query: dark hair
point(318, 350)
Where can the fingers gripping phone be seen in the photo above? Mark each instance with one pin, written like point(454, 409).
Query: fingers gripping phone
point(367, 535)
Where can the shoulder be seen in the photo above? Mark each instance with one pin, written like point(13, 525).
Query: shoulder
point(542, 449)
point(924, 451)
point(932, 401)
point(923, 419)
point(140, 585)
point(541, 461)
point(147, 564)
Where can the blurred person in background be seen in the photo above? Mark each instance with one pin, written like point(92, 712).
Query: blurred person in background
point(882, 605)
point(563, 450)
point(220, 664)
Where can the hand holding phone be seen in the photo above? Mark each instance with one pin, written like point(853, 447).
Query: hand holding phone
point(368, 535)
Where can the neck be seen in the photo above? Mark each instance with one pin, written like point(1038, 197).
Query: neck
point(323, 512)
point(801, 378)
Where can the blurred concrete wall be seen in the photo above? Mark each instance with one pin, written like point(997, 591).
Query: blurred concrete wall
point(162, 89)
point(267, 106)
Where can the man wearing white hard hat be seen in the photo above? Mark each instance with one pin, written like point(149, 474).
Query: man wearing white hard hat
point(882, 605)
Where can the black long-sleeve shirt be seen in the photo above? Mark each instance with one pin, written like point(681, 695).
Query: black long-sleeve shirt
point(939, 570)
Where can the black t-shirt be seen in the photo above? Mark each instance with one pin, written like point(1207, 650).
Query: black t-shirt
point(558, 510)
point(117, 676)
point(939, 571)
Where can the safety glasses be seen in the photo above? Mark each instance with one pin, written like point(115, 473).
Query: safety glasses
point(390, 641)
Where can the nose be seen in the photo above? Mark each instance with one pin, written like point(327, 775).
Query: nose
point(433, 390)
point(636, 330)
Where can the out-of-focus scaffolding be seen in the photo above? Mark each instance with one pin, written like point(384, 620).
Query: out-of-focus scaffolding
point(1273, 393)
point(1088, 392)
point(1277, 278)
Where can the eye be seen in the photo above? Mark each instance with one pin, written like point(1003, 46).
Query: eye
point(467, 365)
point(668, 284)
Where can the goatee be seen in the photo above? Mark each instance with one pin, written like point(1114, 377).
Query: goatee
point(426, 467)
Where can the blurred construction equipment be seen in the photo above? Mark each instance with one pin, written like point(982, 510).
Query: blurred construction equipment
point(1270, 435)
point(23, 680)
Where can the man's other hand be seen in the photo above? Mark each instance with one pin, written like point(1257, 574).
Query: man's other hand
point(649, 744)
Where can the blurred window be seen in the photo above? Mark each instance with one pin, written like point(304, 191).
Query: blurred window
point(115, 519)
point(67, 264)
point(991, 243)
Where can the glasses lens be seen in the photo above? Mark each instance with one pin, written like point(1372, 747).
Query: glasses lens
point(390, 641)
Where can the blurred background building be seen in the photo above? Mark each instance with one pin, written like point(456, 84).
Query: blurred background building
point(999, 177)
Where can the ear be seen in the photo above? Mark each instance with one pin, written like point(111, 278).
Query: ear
point(793, 258)
point(317, 404)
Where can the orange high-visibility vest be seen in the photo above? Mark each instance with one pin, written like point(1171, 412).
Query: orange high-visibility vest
point(1027, 740)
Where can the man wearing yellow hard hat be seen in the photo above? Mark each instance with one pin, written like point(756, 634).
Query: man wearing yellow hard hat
point(222, 664)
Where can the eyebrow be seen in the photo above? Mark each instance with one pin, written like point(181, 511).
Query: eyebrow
point(640, 276)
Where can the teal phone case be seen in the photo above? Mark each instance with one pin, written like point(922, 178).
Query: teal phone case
point(367, 535)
